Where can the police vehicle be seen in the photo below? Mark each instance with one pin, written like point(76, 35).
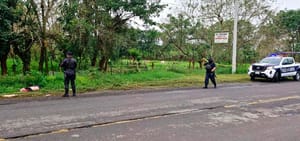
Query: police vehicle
point(274, 68)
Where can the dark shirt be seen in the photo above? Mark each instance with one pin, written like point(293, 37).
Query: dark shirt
point(211, 66)
point(69, 66)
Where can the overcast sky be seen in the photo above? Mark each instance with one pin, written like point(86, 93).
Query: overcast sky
point(173, 4)
point(288, 4)
point(281, 4)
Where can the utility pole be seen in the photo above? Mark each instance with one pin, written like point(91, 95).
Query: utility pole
point(234, 48)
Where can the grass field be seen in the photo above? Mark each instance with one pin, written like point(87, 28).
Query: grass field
point(122, 75)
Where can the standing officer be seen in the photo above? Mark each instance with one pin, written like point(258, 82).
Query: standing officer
point(210, 67)
point(69, 65)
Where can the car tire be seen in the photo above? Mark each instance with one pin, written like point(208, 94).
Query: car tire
point(252, 78)
point(276, 77)
point(297, 76)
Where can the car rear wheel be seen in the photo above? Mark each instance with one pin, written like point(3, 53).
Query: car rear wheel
point(297, 76)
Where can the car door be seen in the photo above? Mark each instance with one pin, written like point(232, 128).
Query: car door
point(287, 67)
point(292, 69)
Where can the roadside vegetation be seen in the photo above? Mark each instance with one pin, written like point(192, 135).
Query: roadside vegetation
point(123, 76)
point(117, 43)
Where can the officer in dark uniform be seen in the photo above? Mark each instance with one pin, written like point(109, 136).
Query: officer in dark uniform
point(69, 65)
point(210, 67)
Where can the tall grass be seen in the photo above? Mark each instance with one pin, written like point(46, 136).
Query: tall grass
point(122, 76)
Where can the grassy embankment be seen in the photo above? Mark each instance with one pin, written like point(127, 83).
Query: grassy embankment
point(168, 74)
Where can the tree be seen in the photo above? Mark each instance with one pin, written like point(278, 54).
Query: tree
point(218, 11)
point(279, 33)
point(25, 33)
point(98, 26)
point(269, 38)
point(290, 22)
point(43, 10)
point(218, 16)
point(7, 19)
point(22, 47)
point(146, 41)
point(77, 20)
point(187, 35)
point(177, 33)
point(116, 16)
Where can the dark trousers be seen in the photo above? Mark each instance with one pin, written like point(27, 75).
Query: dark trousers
point(68, 79)
point(212, 77)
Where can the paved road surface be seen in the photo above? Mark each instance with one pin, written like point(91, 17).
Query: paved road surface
point(244, 112)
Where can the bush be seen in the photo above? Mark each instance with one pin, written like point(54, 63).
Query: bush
point(134, 53)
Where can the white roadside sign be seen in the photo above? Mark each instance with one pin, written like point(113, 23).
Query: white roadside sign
point(221, 37)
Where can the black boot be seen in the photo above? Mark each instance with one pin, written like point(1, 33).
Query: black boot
point(74, 93)
point(215, 84)
point(66, 93)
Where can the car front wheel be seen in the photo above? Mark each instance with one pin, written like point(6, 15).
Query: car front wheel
point(276, 77)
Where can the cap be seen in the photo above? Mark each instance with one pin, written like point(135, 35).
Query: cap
point(69, 53)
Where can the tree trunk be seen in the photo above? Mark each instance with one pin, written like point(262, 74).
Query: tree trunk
point(94, 61)
point(3, 60)
point(25, 57)
point(43, 55)
point(26, 67)
point(24, 53)
point(200, 64)
point(103, 64)
point(193, 64)
point(106, 66)
point(94, 57)
point(46, 62)
point(4, 50)
point(42, 58)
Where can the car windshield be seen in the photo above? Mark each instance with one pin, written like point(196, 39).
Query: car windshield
point(271, 60)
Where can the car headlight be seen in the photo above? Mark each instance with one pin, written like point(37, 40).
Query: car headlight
point(270, 68)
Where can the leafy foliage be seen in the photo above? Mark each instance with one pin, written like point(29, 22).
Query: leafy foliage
point(100, 30)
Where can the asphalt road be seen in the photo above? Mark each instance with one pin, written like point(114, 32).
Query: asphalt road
point(232, 112)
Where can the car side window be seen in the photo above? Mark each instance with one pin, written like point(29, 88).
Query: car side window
point(291, 61)
point(285, 62)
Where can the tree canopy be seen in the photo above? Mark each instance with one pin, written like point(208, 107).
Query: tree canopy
point(97, 31)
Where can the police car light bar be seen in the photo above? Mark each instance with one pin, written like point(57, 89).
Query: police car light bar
point(282, 54)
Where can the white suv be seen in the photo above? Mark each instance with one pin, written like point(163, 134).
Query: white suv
point(275, 68)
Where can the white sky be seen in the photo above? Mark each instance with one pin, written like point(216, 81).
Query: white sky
point(288, 4)
point(279, 5)
point(174, 4)
point(282, 4)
